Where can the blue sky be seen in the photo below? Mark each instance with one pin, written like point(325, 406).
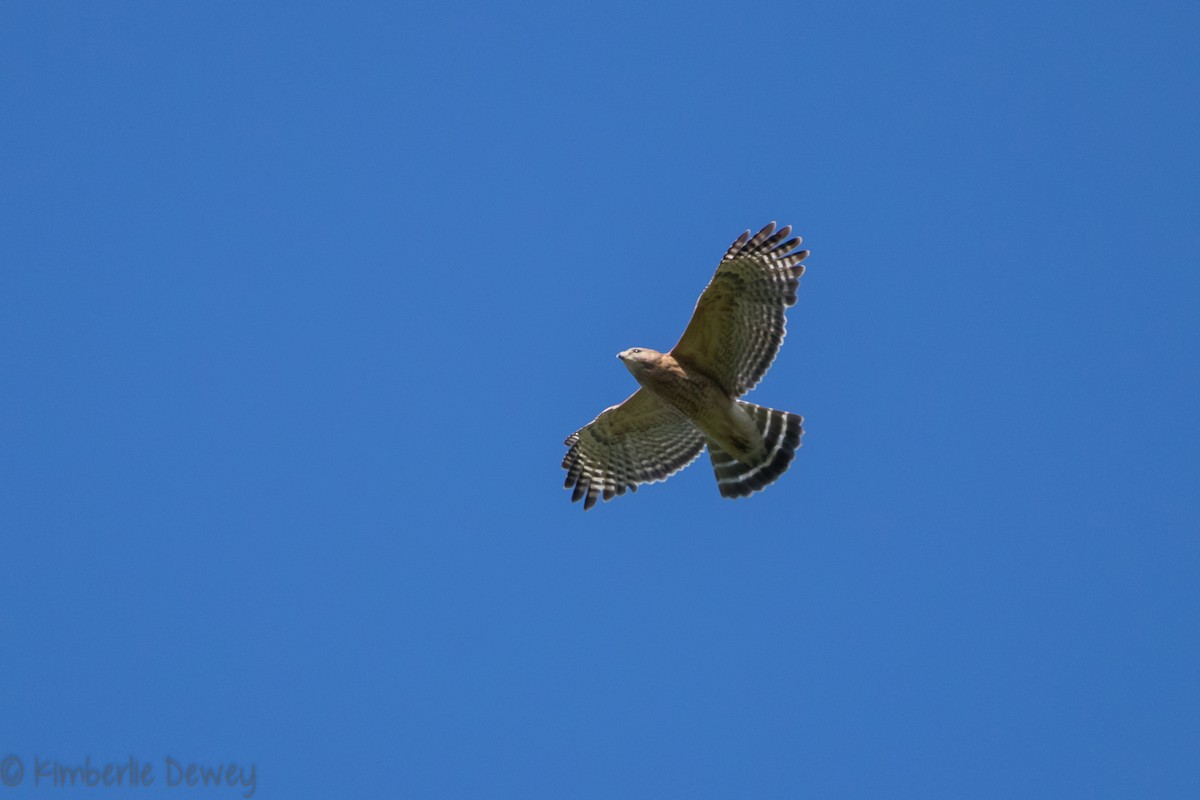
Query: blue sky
point(298, 303)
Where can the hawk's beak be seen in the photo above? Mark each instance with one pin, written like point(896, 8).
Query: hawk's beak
point(621, 356)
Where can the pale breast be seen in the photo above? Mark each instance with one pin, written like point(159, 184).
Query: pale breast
point(705, 403)
point(696, 395)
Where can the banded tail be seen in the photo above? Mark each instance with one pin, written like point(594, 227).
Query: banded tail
point(781, 433)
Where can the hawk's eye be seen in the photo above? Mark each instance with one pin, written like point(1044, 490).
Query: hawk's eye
point(636, 350)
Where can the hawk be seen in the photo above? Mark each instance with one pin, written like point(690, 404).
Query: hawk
point(689, 396)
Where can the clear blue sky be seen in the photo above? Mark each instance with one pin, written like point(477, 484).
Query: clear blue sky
point(298, 302)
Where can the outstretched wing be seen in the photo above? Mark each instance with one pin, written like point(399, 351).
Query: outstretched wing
point(738, 325)
point(642, 440)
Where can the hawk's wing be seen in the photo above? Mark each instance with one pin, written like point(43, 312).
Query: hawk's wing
point(738, 324)
point(642, 440)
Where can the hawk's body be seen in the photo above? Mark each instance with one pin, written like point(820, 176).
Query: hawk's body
point(699, 398)
point(689, 396)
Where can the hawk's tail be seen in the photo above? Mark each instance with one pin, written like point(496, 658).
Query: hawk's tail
point(781, 434)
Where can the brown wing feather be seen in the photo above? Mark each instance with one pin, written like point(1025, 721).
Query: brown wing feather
point(739, 322)
point(642, 440)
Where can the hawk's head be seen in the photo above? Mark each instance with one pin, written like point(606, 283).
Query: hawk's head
point(639, 359)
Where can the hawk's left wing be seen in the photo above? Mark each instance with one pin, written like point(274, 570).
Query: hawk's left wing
point(738, 325)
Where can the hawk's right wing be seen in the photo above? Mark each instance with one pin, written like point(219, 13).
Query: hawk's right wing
point(642, 440)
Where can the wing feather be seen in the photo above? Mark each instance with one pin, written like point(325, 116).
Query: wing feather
point(739, 322)
point(642, 440)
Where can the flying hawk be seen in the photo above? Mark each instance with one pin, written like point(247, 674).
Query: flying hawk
point(689, 396)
